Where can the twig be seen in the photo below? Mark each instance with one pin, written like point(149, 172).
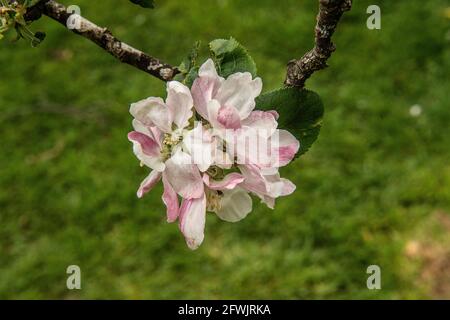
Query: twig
point(105, 39)
point(298, 71)
point(330, 12)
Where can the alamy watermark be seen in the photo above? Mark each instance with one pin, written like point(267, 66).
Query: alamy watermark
point(374, 21)
point(374, 280)
point(74, 280)
point(74, 20)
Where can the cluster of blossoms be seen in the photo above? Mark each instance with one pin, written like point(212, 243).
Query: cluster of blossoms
point(211, 149)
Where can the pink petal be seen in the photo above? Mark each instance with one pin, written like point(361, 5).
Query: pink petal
point(213, 108)
point(229, 118)
point(198, 143)
point(152, 132)
point(275, 114)
point(261, 120)
point(149, 183)
point(184, 176)
point(149, 146)
point(146, 150)
point(205, 87)
point(285, 147)
point(180, 103)
point(239, 91)
point(253, 146)
point(170, 199)
point(288, 187)
point(152, 112)
point(254, 180)
point(269, 201)
point(228, 183)
point(192, 221)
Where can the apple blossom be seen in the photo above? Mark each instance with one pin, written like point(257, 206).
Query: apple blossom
point(209, 165)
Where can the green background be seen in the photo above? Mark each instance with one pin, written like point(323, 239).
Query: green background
point(374, 189)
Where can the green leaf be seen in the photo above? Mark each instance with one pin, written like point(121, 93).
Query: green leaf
point(231, 57)
point(301, 113)
point(191, 76)
point(144, 3)
point(188, 67)
point(191, 59)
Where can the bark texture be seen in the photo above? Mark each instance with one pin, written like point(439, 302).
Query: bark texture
point(298, 71)
point(103, 38)
point(330, 12)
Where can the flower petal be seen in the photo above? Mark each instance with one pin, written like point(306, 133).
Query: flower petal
point(228, 183)
point(198, 142)
point(228, 117)
point(180, 103)
point(288, 187)
point(192, 221)
point(148, 183)
point(221, 158)
point(146, 150)
point(253, 146)
point(148, 146)
point(235, 205)
point(239, 91)
point(213, 113)
point(170, 199)
point(254, 180)
point(184, 176)
point(261, 120)
point(275, 114)
point(285, 146)
point(152, 132)
point(265, 182)
point(205, 87)
point(153, 112)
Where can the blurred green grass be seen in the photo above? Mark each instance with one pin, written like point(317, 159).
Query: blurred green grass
point(374, 189)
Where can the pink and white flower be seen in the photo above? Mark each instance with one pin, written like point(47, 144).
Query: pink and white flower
point(159, 128)
point(211, 170)
point(229, 104)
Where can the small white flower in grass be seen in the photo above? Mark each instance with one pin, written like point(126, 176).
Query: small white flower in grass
point(415, 111)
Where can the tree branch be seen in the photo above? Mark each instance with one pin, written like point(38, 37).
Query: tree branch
point(330, 12)
point(105, 39)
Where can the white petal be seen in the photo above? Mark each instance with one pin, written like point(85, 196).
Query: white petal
point(213, 113)
point(198, 142)
point(239, 91)
point(205, 87)
point(254, 180)
point(208, 69)
point(288, 187)
point(230, 181)
point(261, 120)
point(146, 150)
point(152, 132)
point(284, 147)
point(236, 204)
point(148, 183)
point(180, 103)
point(275, 186)
point(192, 221)
point(184, 176)
point(170, 199)
point(229, 117)
point(152, 112)
point(253, 147)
